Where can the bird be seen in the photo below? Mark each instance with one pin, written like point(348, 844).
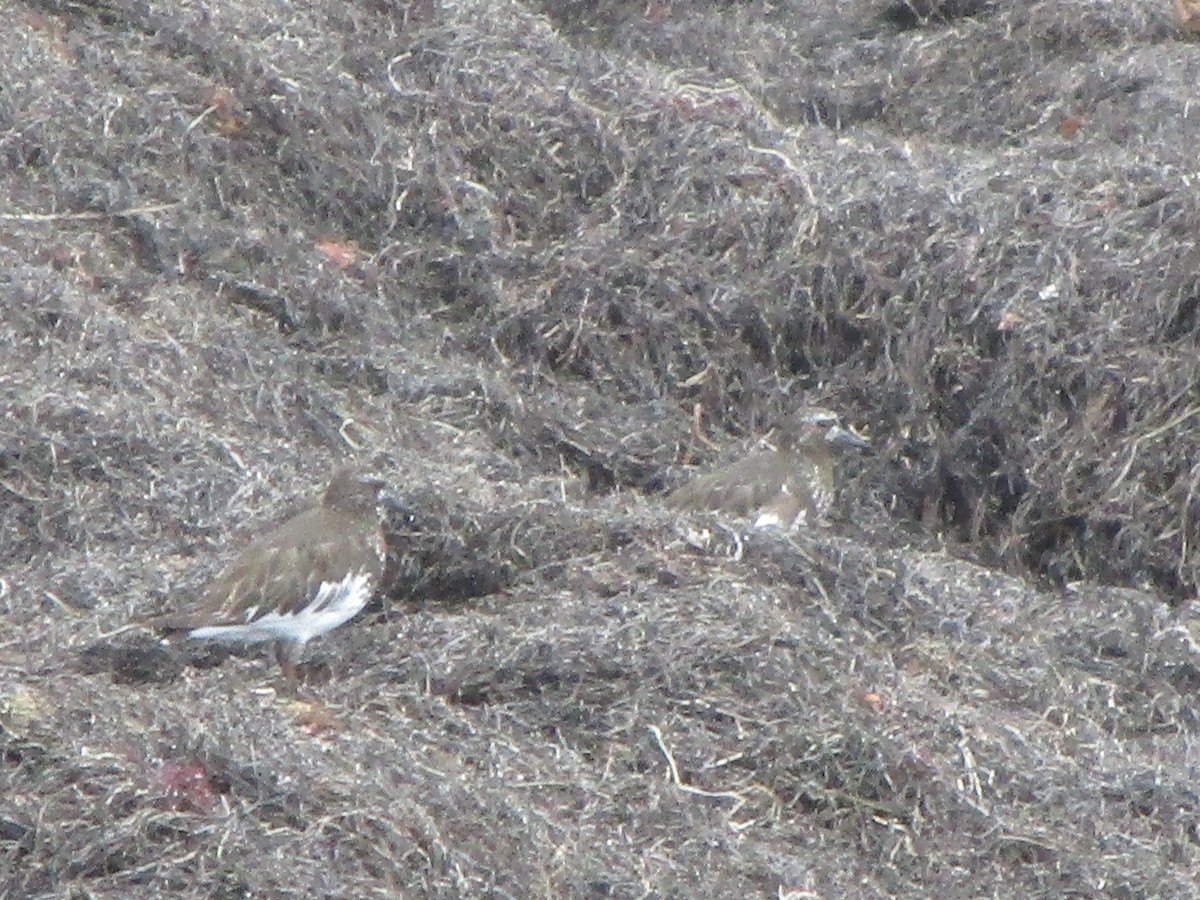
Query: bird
point(308, 576)
point(784, 486)
point(1187, 14)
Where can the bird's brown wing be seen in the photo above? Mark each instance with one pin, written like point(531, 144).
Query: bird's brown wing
point(282, 570)
point(739, 488)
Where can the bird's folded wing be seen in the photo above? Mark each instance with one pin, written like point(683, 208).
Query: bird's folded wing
point(275, 579)
point(739, 488)
point(281, 573)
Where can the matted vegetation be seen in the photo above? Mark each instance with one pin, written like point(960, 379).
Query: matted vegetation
point(505, 254)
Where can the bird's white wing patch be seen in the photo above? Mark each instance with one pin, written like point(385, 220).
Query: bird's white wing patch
point(335, 603)
point(769, 519)
point(784, 511)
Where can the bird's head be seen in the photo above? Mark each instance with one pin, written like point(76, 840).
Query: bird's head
point(815, 426)
point(352, 491)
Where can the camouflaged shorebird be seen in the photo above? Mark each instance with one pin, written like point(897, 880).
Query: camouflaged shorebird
point(313, 573)
point(784, 486)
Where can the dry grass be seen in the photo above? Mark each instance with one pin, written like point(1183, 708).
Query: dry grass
point(501, 253)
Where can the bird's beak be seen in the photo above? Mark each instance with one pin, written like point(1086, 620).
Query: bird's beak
point(844, 437)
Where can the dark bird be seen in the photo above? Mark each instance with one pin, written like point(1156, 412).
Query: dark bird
point(310, 575)
point(785, 485)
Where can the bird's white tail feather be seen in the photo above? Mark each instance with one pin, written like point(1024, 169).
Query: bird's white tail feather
point(335, 603)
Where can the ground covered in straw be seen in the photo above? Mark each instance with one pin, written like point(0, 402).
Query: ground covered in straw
point(536, 263)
